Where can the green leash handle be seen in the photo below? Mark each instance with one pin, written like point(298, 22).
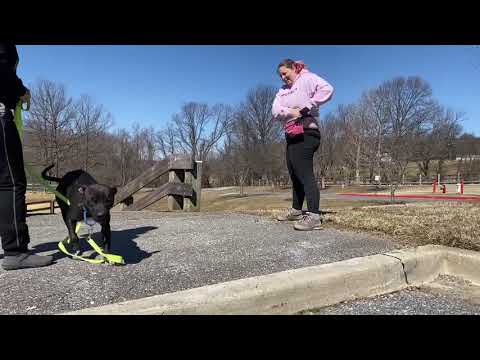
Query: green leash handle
point(47, 185)
point(18, 116)
point(19, 120)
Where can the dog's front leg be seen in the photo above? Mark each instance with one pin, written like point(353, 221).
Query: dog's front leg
point(74, 241)
point(107, 234)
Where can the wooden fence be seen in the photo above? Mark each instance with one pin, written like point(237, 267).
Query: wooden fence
point(183, 189)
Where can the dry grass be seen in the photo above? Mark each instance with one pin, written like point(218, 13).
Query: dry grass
point(451, 224)
point(37, 196)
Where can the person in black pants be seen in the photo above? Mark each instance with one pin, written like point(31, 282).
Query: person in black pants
point(300, 152)
point(296, 106)
point(13, 227)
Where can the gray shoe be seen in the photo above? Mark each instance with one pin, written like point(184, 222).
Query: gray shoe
point(309, 221)
point(291, 215)
point(25, 260)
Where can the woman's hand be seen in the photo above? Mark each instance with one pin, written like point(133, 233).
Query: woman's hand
point(25, 98)
point(296, 112)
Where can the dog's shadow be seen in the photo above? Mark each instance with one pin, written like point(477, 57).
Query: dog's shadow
point(122, 244)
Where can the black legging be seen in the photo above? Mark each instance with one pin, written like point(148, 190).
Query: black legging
point(13, 227)
point(300, 151)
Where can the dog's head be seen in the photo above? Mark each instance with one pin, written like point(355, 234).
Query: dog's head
point(98, 199)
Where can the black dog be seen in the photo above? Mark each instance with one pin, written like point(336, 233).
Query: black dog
point(84, 193)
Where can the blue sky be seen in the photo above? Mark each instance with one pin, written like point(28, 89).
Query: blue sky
point(148, 84)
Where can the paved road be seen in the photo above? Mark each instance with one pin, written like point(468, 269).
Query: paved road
point(167, 252)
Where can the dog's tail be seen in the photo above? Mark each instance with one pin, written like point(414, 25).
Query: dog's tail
point(49, 178)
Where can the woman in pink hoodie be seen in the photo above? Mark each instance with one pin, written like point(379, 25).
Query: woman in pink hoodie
point(296, 105)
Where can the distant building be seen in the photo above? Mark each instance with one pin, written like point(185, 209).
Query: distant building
point(467, 157)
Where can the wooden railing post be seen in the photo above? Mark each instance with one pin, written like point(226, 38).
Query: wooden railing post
point(183, 189)
point(175, 202)
point(194, 179)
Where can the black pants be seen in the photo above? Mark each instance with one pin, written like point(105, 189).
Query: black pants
point(13, 210)
point(300, 151)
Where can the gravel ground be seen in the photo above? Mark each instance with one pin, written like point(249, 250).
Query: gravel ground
point(445, 296)
point(167, 252)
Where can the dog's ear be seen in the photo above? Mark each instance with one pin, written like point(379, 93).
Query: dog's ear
point(82, 189)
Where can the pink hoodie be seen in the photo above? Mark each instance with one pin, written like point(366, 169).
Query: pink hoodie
point(309, 90)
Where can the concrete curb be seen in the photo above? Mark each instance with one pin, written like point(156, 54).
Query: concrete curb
point(292, 291)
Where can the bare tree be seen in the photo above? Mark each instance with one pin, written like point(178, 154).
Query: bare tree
point(438, 142)
point(166, 141)
point(468, 150)
point(243, 148)
point(265, 131)
point(407, 107)
point(222, 116)
point(108, 166)
point(468, 145)
point(143, 146)
point(353, 121)
point(150, 143)
point(258, 110)
point(124, 154)
point(91, 121)
point(223, 164)
point(199, 127)
point(375, 102)
point(50, 122)
point(331, 150)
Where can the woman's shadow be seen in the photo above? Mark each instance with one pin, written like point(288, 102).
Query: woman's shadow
point(122, 244)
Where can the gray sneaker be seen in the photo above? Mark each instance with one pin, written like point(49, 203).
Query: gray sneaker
point(25, 260)
point(309, 221)
point(291, 215)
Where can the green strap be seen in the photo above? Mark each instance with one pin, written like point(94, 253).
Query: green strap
point(63, 249)
point(110, 258)
point(50, 188)
point(19, 120)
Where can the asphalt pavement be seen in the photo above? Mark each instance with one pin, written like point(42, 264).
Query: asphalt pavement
point(168, 252)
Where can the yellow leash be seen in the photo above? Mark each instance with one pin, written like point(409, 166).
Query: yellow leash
point(109, 258)
point(61, 246)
